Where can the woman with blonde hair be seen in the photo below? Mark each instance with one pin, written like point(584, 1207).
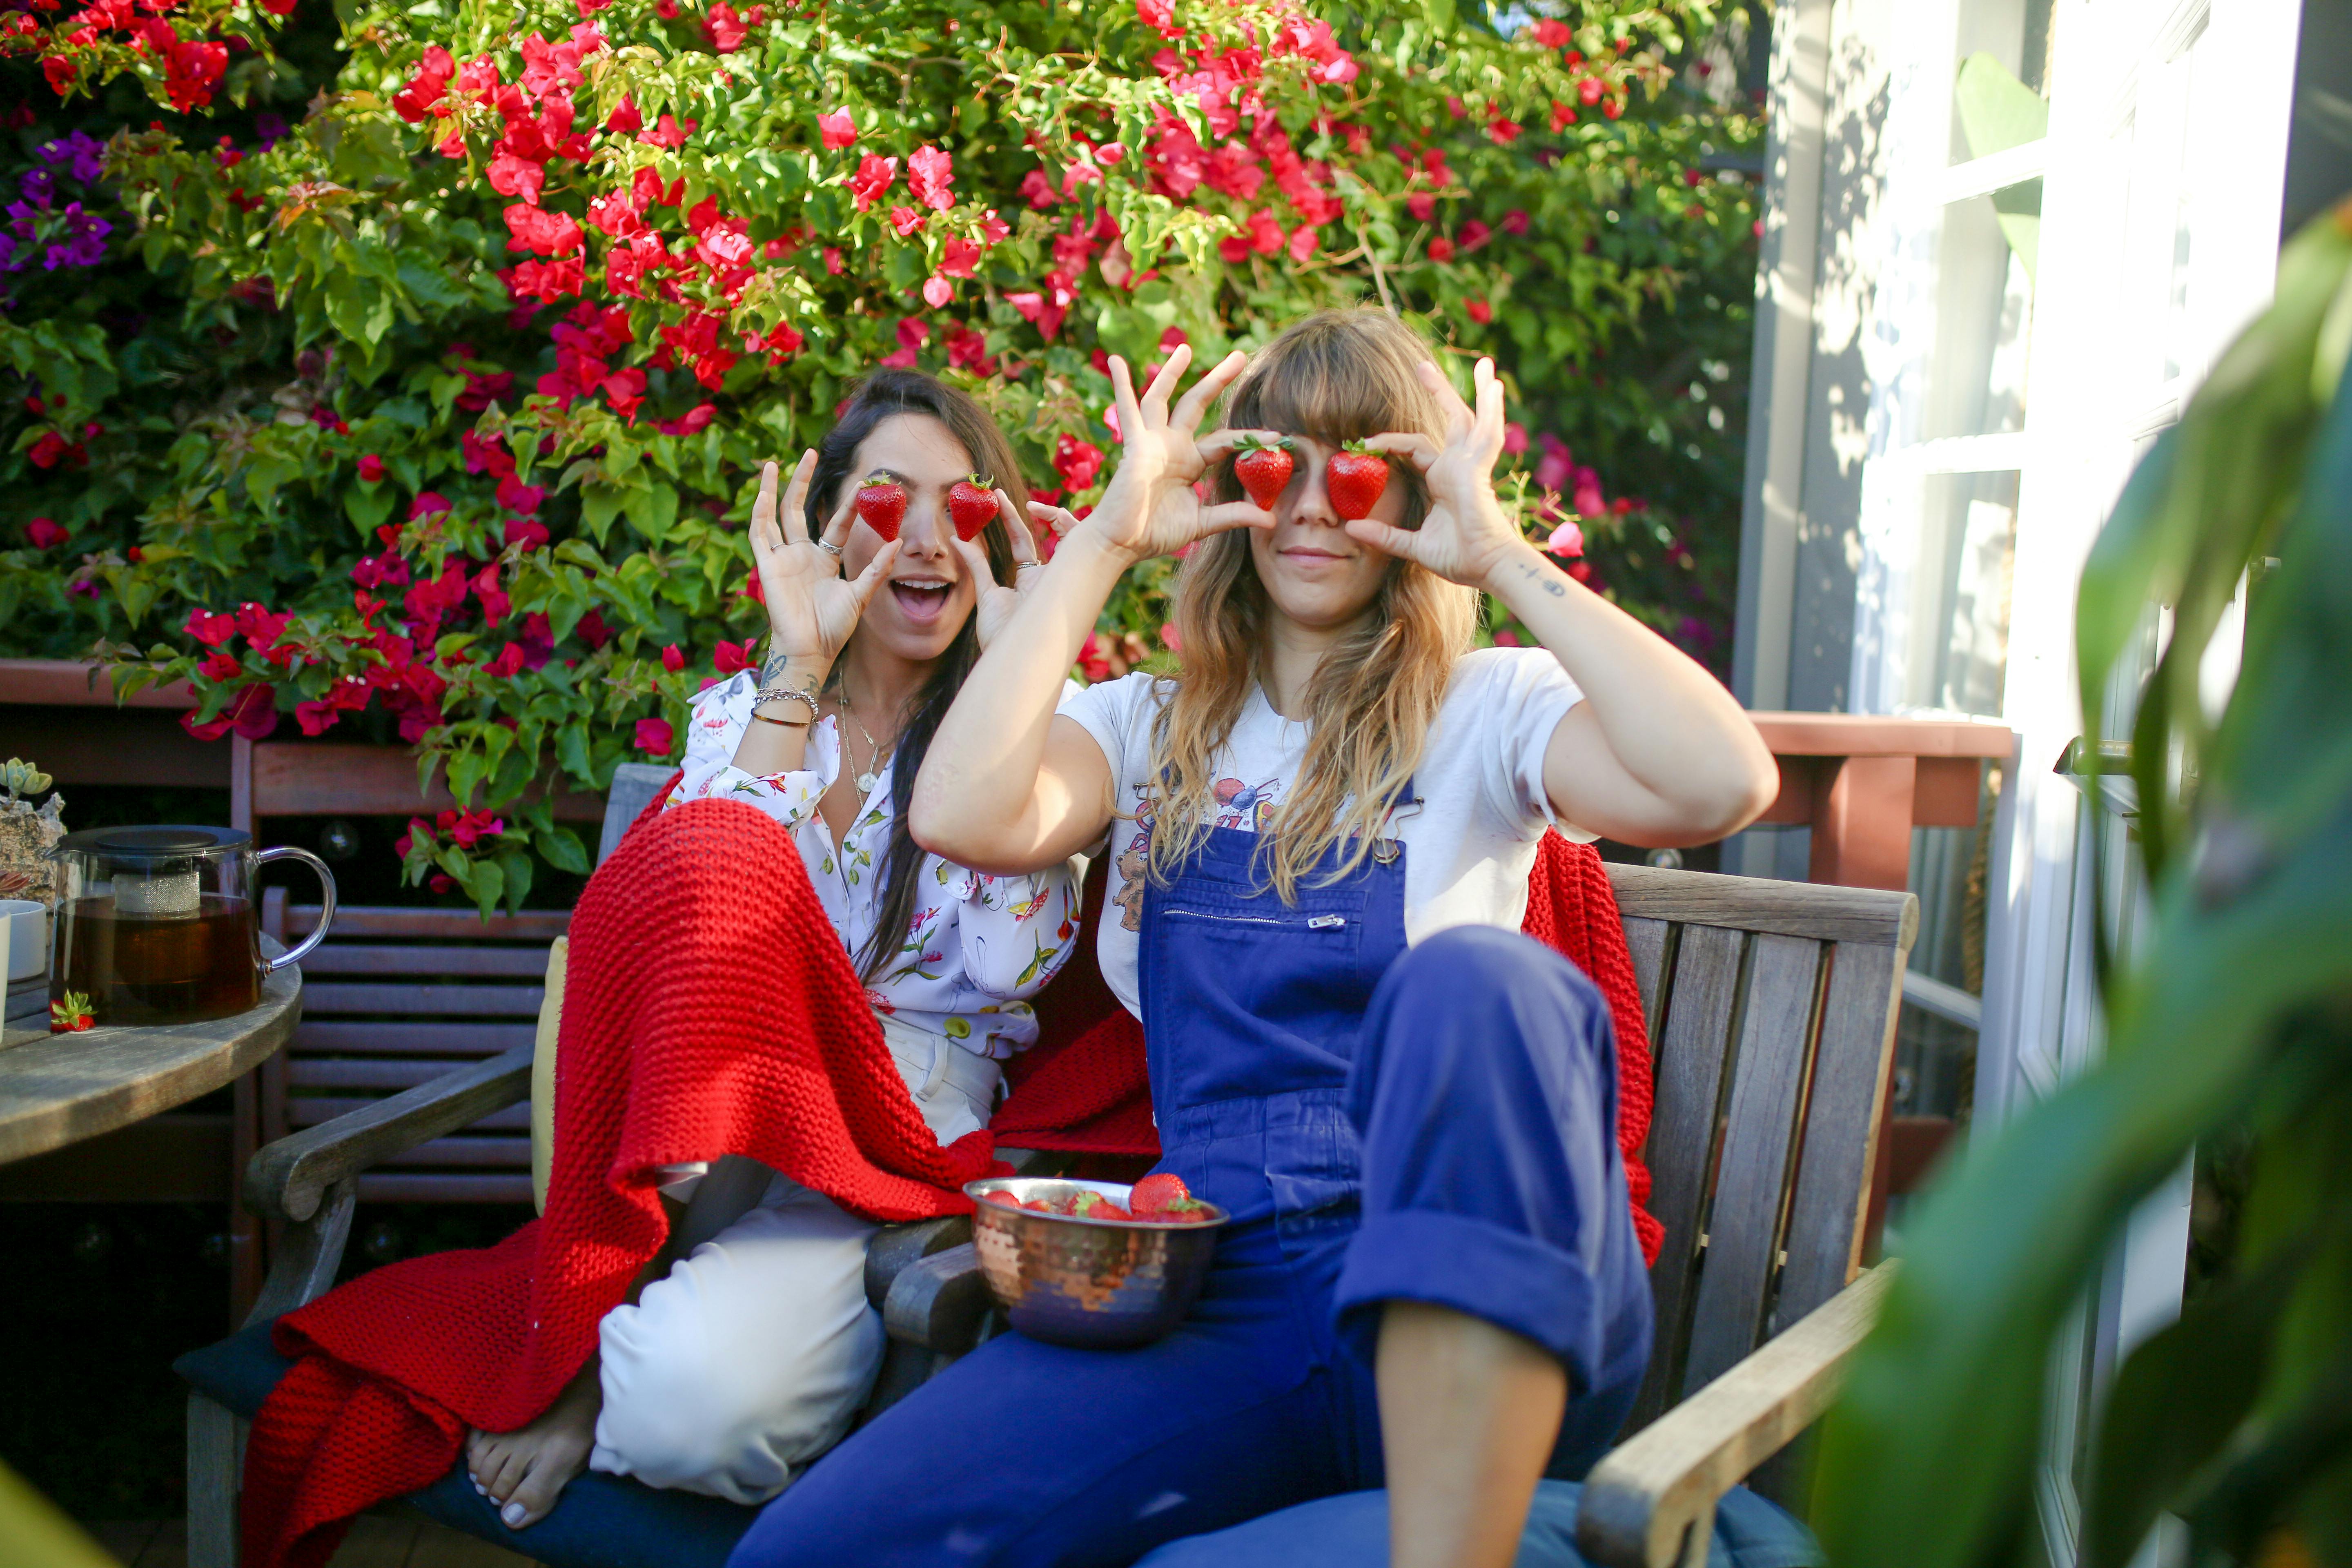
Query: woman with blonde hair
point(1322, 835)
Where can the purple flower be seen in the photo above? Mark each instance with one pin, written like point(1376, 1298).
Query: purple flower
point(8, 262)
point(39, 185)
point(87, 155)
point(85, 242)
point(271, 128)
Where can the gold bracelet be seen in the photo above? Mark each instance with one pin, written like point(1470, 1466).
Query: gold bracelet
point(786, 724)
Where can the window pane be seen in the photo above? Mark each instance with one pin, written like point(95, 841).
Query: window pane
point(1959, 617)
point(2001, 98)
point(1984, 306)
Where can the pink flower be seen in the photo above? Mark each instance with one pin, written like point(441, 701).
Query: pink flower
point(673, 659)
point(938, 292)
point(655, 736)
point(1160, 15)
point(832, 260)
point(1440, 249)
point(872, 180)
point(1077, 461)
point(1503, 131)
point(1552, 35)
point(1567, 540)
point(45, 534)
point(252, 714)
point(370, 469)
point(1516, 221)
point(1421, 206)
point(930, 172)
point(1514, 438)
point(905, 221)
point(837, 129)
point(1480, 311)
point(731, 657)
point(427, 504)
point(210, 629)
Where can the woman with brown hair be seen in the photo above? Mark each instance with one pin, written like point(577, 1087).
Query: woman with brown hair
point(1323, 831)
point(744, 1356)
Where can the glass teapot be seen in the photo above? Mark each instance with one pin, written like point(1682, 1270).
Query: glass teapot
point(158, 925)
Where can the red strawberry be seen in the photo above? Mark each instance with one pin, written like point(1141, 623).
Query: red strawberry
point(1264, 471)
point(1094, 1205)
point(1041, 1207)
point(971, 504)
point(1354, 479)
point(72, 1016)
point(1190, 1211)
point(1158, 1191)
point(1007, 1196)
point(883, 505)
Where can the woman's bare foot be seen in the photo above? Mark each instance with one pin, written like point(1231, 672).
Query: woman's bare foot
point(523, 1472)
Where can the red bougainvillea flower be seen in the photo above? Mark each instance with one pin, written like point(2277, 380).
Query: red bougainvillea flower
point(1514, 438)
point(370, 468)
point(732, 657)
point(45, 534)
point(1076, 461)
point(655, 736)
point(1480, 311)
point(210, 629)
point(48, 449)
point(1516, 221)
point(724, 28)
point(1440, 249)
point(252, 714)
point(1552, 35)
point(837, 129)
point(672, 658)
point(1567, 540)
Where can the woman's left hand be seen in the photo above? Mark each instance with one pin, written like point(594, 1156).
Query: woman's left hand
point(995, 603)
point(1466, 537)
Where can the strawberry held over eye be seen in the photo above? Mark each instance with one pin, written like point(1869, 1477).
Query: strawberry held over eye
point(1264, 470)
point(971, 504)
point(882, 504)
point(1354, 479)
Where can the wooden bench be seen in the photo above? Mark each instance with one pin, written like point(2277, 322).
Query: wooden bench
point(1771, 1006)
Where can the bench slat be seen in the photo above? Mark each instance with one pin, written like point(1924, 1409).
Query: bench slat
point(467, 1040)
point(345, 958)
point(1760, 904)
point(444, 1001)
point(310, 1111)
point(1701, 991)
point(1855, 1053)
point(1745, 1220)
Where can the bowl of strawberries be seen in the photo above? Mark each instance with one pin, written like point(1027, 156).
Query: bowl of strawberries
point(1098, 1265)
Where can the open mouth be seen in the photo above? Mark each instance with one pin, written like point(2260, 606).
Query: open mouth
point(921, 598)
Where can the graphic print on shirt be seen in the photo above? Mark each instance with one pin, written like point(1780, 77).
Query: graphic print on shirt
point(1246, 807)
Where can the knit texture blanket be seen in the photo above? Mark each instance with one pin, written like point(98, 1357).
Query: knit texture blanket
point(708, 1009)
point(1082, 1087)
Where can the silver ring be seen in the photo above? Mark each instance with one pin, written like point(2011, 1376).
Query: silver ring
point(830, 549)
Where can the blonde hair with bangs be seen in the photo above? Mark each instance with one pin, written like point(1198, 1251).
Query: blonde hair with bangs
point(1337, 376)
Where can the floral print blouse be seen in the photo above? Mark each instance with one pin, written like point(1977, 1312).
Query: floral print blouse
point(976, 947)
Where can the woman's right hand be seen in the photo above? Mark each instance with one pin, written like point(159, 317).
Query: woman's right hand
point(810, 610)
point(1150, 507)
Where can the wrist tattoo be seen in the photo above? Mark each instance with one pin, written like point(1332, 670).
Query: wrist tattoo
point(775, 672)
point(1541, 579)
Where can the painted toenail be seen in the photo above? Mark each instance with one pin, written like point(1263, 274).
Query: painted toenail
point(512, 1513)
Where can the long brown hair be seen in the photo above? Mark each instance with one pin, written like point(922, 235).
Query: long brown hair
point(1337, 375)
point(880, 396)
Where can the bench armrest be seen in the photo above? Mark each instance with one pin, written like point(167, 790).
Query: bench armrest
point(1651, 1502)
point(939, 1302)
point(289, 1178)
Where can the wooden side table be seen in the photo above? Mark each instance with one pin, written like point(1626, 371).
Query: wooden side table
point(1863, 783)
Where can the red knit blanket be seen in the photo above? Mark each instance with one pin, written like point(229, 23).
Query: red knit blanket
point(708, 1009)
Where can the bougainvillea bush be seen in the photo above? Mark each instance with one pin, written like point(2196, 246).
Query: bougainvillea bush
point(482, 346)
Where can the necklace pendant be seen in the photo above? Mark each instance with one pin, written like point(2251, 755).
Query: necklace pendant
point(866, 783)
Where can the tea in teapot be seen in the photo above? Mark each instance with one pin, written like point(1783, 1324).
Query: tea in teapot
point(157, 925)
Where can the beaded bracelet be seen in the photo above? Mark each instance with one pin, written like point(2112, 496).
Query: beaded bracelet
point(778, 694)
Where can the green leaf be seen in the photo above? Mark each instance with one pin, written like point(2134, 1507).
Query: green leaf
point(2176, 1401)
point(560, 847)
point(514, 865)
point(488, 885)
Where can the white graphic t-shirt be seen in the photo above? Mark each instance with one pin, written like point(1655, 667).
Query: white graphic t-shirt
point(1470, 835)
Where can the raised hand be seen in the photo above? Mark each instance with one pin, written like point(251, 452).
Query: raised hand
point(995, 603)
point(810, 610)
point(1466, 537)
point(1149, 508)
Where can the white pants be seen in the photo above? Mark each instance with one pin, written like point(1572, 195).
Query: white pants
point(754, 1353)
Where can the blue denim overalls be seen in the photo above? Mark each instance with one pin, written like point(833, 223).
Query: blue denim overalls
point(1436, 1125)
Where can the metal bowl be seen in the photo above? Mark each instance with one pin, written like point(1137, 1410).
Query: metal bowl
point(1094, 1283)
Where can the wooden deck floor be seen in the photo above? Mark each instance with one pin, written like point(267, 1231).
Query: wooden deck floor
point(389, 1538)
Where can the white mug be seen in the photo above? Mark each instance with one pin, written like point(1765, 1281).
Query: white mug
point(25, 925)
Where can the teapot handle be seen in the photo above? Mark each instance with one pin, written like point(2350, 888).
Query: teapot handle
point(326, 904)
